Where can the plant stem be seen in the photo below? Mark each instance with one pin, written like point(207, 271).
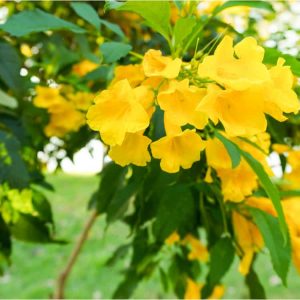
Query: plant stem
point(62, 278)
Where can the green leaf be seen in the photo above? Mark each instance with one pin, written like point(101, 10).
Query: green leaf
point(221, 258)
point(231, 149)
point(113, 27)
point(272, 55)
point(7, 100)
point(156, 13)
point(280, 250)
point(12, 167)
point(270, 189)
point(256, 289)
point(176, 211)
point(111, 178)
point(87, 12)
point(102, 73)
point(10, 65)
point(183, 28)
point(113, 51)
point(290, 193)
point(256, 4)
point(31, 229)
point(36, 20)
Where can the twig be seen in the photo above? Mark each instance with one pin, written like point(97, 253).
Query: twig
point(61, 281)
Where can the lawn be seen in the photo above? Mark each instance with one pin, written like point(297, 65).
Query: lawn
point(35, 267)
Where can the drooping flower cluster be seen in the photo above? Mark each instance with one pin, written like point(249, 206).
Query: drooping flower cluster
point(66, 109)
point(240, 92)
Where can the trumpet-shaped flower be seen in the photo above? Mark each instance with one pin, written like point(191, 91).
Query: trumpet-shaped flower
point(155, 64)
point(236, 73)
point(133, 150)
point(133, 73)
point(180, 150)
point(179, 102)
point(117, 111)
point(47, 96)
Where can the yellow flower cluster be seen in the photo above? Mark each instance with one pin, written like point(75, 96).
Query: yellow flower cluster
point(249, 237)
point(241, 91)
point(65, 110)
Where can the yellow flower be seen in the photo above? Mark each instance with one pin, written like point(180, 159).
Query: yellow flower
point(279, 94)
point(146, 98)
point(176, 151)
point(117, 111)
point(46, 97)
point(248, 238)
point(235, 183)
point(192, 290)
point(179, 102)
point(198, 250)
point(280, 149)
point(155, 64)
point(84, 67)
point(26, 50)
point(133, 150)
point(81, 100)
point(208, 178)
point(240, 112)
point(172, 239)
point(236, 73)
point(134, 74)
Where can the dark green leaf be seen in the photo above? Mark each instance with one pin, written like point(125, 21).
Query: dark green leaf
point(156, 13)
point(10, 65)
point(255, 3)
point(183, 28)
point(87, 12)
point(36, 20)
point(113, 27)
point(176, 211)
point(270, 189)
point(113, 51)
point(102, 73)
point(272, 55)
point(280, 250)
point(231, 149)
point(31, 229)
point(256, 289)
point(221, 258)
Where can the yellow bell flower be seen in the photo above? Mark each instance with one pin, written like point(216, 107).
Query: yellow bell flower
point(240, 112)
point(179, 102)
point(198, 250)
point(176, 151)
point(133, 150)
point(81, 100)
point(236, 73)
point(84, 67)
point(172, 238)
point(117, 111)
point(46, 97)
point(248, 238)
point(134, 74)
point(155, 64)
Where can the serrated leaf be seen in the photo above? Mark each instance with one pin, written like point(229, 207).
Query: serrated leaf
point(280, 250)
point(156, 13)
point(183, 28)
point(231, 148)
point(36, 20)
point(255, 4)
point(113, 51)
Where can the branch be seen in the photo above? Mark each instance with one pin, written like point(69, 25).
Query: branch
point(61, 281)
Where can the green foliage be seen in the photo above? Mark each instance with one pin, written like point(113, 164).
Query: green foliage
point(280, 250)
point(183, 28)
point(113, 51)
point(256, 290)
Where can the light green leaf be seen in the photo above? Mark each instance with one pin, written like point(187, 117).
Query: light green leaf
point(231, 149)
point(272, 55)
point(156, 13)
point(7, 100)
point(255, 3)
point(183, 28)
point(279, 250)
point(87, 12)
point(113, 51)
point(36, 20)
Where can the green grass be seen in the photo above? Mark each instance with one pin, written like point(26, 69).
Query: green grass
point(35, 267)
